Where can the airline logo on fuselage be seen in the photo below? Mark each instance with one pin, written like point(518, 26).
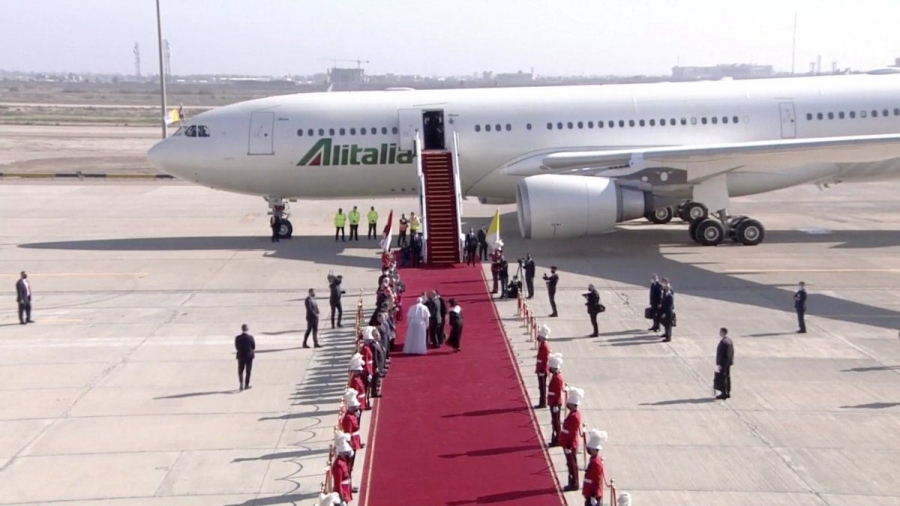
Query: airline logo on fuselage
point(325, 153)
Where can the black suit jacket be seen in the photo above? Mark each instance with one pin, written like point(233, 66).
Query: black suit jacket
point(725, 353)
point(655, 293)
point(800, 299)
point(22, 295)
point(667, 303)
point(552, 280)
point(593, 302)
point(312, 308)
point(245, 346)
point(529, 268)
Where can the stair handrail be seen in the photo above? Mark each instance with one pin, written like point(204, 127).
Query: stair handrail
point(417, 144)
point(458, 191)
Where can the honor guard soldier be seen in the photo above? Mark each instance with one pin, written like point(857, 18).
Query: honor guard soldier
point(594, 475)
point(357, 381)
point(370, 334)
point(800, 307)
point(542, 366)
point(568, 436)
point(340, 220)
point(332, 499)
point(340, 468)
point(373, 223)
point(350, 425)
point(354, 223)
point(555, 396)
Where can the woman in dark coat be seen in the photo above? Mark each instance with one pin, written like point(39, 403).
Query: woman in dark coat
point(456, 325)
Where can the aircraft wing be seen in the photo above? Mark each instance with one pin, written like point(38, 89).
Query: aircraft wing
point(702, 162)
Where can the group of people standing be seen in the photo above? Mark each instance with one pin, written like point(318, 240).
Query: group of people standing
point(341, 219)
point(426, 322)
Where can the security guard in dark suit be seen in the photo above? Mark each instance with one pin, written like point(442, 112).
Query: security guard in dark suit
point(593, 307)
point(667, 310)
point(275, 223)
point(552, 280)
point(529, 267)
point(245, 348)
point(724, 361)
point(655, 299)
point(800, 307)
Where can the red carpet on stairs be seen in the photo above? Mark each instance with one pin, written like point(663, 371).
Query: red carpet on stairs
point(455, 428)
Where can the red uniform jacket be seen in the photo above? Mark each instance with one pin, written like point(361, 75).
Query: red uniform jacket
point(543, 355)
point(368, 359)
point(340, 478)
point(356, 383)
point(594, 478)
point(555, 391)
point(568, 437)
point(350, 425)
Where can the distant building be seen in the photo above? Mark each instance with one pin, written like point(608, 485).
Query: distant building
point(341, 75)
point(518, 79)
point(737, 71)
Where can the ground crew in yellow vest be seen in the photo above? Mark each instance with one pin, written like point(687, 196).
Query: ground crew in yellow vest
point(373, 224)
point(340, 219)
point(413, 224)
point(354, 223)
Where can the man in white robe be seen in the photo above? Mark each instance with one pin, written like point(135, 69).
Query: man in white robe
point(417, 329)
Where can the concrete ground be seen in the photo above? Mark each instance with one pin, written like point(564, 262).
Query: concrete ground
point(123, 392)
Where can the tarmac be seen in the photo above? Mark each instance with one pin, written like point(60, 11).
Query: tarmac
point(123, 392)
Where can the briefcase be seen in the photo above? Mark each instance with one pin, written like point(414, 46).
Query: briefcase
point(719, 381)
point(601, 308)
point(648, 313)
point(674, 320)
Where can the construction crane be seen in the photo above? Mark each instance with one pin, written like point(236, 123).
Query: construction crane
point(334, 61)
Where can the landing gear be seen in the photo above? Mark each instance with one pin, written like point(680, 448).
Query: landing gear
point(661, 216)
point(281, 208)
point(711, 231)
point(690, 211)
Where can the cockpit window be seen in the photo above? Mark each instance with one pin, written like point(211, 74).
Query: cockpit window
point(196, 131)
point(202, 131)
point(191, 131)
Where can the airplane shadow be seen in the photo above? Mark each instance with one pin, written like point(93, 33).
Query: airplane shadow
point(629, 258)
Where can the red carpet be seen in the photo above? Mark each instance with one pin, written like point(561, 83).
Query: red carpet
point(456, 428)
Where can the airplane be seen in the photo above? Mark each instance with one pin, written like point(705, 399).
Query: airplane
point(577, 160)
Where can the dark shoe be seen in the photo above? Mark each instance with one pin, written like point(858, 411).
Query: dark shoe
point(570, 488)
point(667, 339)
point(554, 315)
point(552, 444)
point(652, 329)
point(594, 335)
point(241, 389)
point(721, 397)
point(317, 345)
point(32, 321)
point(340, 326)
point(21, 323)
point(305, 345)
point(247, 387)
point(799, 331)
point(355, 489)
point(540, 406)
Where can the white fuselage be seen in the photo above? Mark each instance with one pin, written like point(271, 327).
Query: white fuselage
point(260, 156)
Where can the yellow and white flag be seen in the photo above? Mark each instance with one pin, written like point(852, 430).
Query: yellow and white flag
point(172, 116)
point(493, 233)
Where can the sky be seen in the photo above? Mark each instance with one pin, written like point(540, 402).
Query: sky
point(451, 37)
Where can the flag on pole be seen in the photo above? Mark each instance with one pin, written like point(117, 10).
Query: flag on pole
point(387, 236)
point(493, 233)
point(172, 117)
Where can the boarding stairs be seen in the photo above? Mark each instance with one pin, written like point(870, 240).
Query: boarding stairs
point(440, 201)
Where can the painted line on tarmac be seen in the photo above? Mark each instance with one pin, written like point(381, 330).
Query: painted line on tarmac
point(763, 271)
point(82, 175)
point(79, 274)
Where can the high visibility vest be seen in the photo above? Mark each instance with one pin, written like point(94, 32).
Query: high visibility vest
point(414, 223)
point(339, 220)
point(354, 217)
point(373, 217)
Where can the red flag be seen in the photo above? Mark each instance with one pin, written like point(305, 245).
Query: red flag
point(387, 236)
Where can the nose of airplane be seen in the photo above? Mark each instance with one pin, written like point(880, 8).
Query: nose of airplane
point(160, 155)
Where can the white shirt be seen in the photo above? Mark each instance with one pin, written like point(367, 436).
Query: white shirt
point(27, 287)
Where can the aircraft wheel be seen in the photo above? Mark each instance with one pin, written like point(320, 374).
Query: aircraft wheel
point(286, 229)
point(661, 216)
point(750, 232)
point(692, 229)
point(710, 232)
point(694, 211)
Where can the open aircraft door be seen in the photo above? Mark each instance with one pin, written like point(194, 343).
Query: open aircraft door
point(410, 124)
point(788, 120)
point(261, 133)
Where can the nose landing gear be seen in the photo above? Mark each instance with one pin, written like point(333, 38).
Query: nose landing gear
point(279, 207)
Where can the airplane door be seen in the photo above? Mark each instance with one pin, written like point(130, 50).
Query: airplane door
point(410, 124)
point(788, 120)
point(261, 133)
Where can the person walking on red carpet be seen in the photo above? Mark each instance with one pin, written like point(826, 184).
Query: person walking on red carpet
point(554, 396)
point(594, 475)
point(357, 382)
point(456, 325)
point(416, 329)
point(568, 436)
point(542, 366)
point(341, 482)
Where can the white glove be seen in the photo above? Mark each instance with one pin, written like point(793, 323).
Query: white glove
point(594, 501)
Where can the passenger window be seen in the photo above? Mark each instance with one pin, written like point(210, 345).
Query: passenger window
point(497, 126)
point(831, 115)
point(394, 130)
point(818, 115)
point(331, 131)
point(672, 121)
point(841, 115)
point(477, 128)
point(874, 113)
point(310, 132)
point(703, 120)
point(662, 122)
point(641, 122)
point(549, 126)
point(383, 130)
point(809, 116)
point(896, 112)
point(352, 131)
point(528, 126)
point(613, 123)
point(362, 131)
point(724, 119)
point(569, 124)
point(852, 114)
point(734, 119)
point(862, 114)
point(559, 126)
point(684, 121)
point(631, 122)
point(884, 112)
point(580, 125)
point(508, 127)
point(300, 133)
point(715, 120)
point(590, 124)
point(487, 128)
point(342, 131)
point(693, 121)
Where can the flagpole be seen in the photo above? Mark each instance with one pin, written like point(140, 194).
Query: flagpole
point(162, 73)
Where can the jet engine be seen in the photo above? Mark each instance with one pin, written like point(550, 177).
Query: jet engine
point(556, 206)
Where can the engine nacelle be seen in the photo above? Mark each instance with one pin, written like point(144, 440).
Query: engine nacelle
point(554, 206)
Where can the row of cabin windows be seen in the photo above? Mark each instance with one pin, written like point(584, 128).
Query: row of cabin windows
point(852, 114)
point(571, 125)
point(343, 131)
